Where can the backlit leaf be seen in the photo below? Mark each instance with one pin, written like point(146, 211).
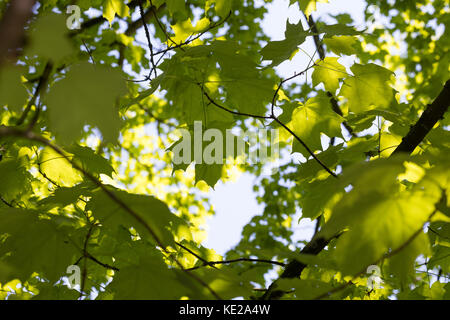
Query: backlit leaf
point(87, 95)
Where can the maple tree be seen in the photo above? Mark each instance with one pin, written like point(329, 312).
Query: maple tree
point(89, 119)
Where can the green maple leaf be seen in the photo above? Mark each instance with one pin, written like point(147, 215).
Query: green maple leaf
point(12, 91)
point(308, 6)
point(147, 278)
point(15, 179)
point(315, 196)
point(224, 282)
point(222, 7)
point(441, 258)
point(312, 119)
point(189, 98)
point(48, 291)
point(402, 265)
point(38, 245)
point(247, 90)
point(113, 7)
point(378, 216)
point(250, 95)
point(90, 161)
point(49, 38)
point(210, 173)
point(86, 96)
point(279, 51)
point(341, 45)
point(305, 289)
point(340, 29)
point(56, 168)
point(175, 6)
point(368, 89)
point(152, 213)
point(328, 71)
point(64, 196)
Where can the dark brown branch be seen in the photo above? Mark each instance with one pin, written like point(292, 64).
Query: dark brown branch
point(104, 265)
point(432, 114)
point(12, 28)
point(91, 257)
point(312, 25)
point(427, 121)
point(280, 85)
point(6, 202)
point(295, 268)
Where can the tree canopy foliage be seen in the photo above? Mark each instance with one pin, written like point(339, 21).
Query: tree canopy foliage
point(91, 111)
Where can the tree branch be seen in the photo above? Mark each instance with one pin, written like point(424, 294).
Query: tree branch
point(429, 118)
point(295, 268)
point(211, 100)
point(432, 114)
point(6, 202)
point(205, 262)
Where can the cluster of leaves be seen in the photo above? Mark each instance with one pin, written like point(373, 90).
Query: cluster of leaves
point(87, 117)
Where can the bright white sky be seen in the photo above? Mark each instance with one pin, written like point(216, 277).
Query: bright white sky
point(234, 202)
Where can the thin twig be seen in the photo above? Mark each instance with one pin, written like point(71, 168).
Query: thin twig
point(306, 147)
point(88, 51)
point(185, 43)
point(42, 82)
point(149, 41)
point(84, 273)
point(6, 202)
point(163, 29)
point(231, 111)
point(209, 263)
point(273, 117)
point(206, 262)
